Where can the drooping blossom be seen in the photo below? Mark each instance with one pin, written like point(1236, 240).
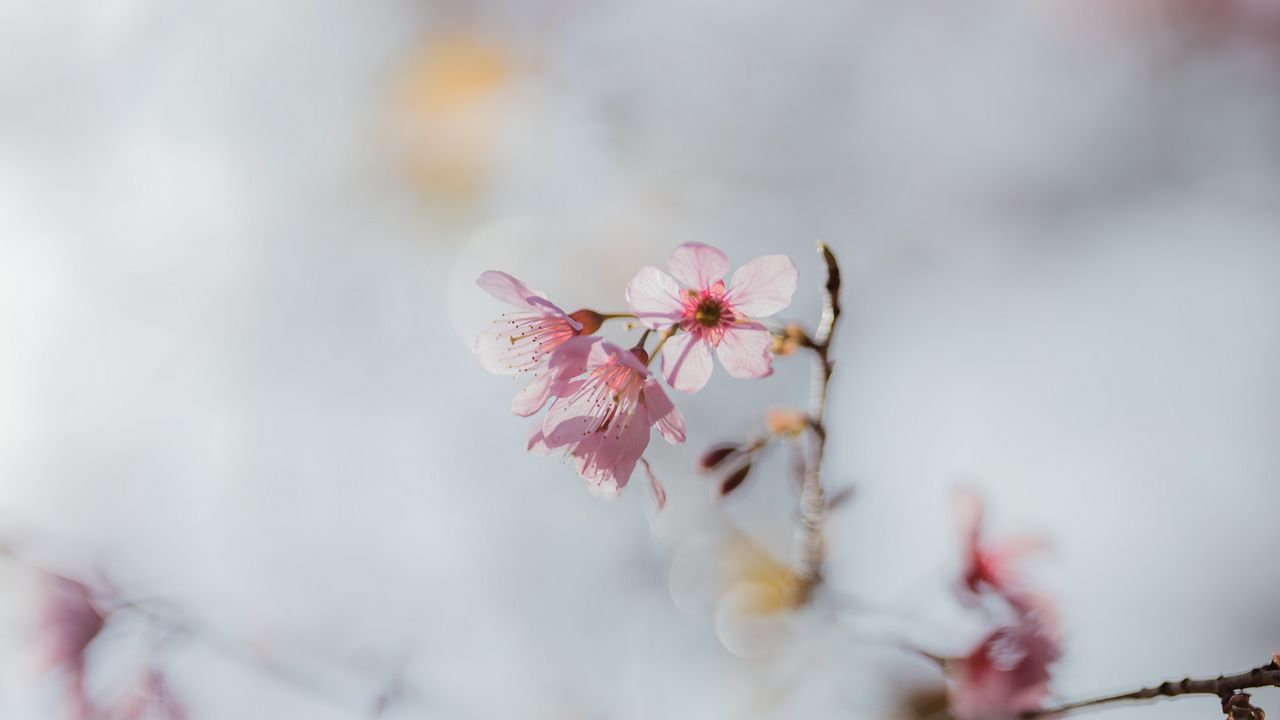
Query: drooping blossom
point(711, 315)
point(69, 621)
point(606, 401)
point(985, 564)
point(1007, 674)
point(520, 343)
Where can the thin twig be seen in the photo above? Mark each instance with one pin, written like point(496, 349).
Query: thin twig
point(1222, 686)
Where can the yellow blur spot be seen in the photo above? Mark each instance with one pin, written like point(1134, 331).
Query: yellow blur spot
point(448, 111)
point(773, 586)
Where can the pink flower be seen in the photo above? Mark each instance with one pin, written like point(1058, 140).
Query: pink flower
point(606, 401)
point(521, 342)
point(988, 566)
point(1007, 674)
point(710, 315)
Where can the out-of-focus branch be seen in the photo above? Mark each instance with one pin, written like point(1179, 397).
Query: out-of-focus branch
point(1223, 686)
point(813, 501)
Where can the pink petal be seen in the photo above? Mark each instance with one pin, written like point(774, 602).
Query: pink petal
point(967, 509)
point(538, 443)
point(744, 350)
point(69, 621)
point(534, 395)
point(571, 360)
point(494, 352)
point(607, 461)
point(1013, 549)
point(510, 290)
point(763, 286)
point(997, 565)
point(686, 362)
point(659, 492)
point(628, 358)
point(572, 417)
point(654, 297)
point(663, 415)
point(698, 266)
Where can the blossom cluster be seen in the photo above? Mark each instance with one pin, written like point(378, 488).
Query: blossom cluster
point(602, 399)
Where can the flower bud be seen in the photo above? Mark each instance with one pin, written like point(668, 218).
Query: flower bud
point(791, 338)
point(1238, 707)
point(734, 479)
point(717, 454)
point(786, 421)
point(589, 319)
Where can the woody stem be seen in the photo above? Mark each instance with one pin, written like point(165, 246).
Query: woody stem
point(1222, 686)
point(813, 500)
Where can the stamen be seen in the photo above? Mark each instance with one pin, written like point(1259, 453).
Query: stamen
point(708, 312)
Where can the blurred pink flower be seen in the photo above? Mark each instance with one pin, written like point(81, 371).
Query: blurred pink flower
point(988, 566)
point(1008, 672)
point(69, 621)
point(711, 315)
point(606, 402)
point(521, 342)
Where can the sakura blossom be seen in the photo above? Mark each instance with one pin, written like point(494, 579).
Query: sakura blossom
point(520, 343)
point(606, 402)
point(1007, 674)
point(710, 315)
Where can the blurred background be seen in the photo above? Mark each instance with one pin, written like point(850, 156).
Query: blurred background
point(238, 246)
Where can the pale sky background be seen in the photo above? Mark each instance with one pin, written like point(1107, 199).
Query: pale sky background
point(238, 244)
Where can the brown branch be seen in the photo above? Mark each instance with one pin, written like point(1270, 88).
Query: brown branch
point(1222, 686)
point(813, 501)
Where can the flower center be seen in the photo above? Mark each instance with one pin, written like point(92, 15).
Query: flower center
point(708, 312)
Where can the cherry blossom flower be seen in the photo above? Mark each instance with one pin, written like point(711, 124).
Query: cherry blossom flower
point(606, 401)
point(711, 315)
point(520, 343)
point(1007, 674)
point(986, 565)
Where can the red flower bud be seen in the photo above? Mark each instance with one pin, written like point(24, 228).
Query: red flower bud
point(735, 479)
point(717, 454)
point(1239, 707)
